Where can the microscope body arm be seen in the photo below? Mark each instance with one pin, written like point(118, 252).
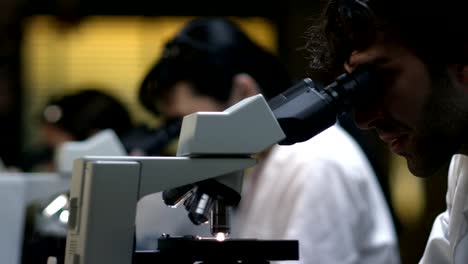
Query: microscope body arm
point(105, 191)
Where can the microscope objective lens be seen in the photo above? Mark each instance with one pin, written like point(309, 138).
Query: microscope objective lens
point(201, 207)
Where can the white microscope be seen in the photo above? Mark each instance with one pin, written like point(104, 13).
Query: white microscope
point(214, 149)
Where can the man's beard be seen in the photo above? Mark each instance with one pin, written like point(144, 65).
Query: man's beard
point(442, 127)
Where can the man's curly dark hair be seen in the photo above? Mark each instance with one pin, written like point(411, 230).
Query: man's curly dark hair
point(437, 32)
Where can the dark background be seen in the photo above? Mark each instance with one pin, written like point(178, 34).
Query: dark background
point(291, 18)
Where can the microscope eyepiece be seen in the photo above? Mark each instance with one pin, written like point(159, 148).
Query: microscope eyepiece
point(307, 109)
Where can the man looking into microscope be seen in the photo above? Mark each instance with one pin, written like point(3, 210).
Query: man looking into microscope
point(418, 50)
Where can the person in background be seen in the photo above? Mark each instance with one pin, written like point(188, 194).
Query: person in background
point(322, 192)
point(418, 51)
point(76, 117)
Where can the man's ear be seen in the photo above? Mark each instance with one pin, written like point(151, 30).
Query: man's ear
point(243, 86)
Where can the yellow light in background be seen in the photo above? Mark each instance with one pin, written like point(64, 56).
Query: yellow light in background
point(261, 31)
point(407, 192)
point(112, 52)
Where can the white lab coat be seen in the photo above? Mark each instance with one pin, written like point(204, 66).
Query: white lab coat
point(448, 242)
point(324, 193)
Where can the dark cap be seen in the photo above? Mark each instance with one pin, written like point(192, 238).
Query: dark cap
point(208, 53)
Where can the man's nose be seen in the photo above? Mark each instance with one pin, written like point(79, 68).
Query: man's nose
point(366, 117)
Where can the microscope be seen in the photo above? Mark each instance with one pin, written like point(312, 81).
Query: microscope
point(205, 177)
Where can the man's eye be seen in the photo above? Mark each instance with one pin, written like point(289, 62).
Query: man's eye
point(383, 80)
point(385, 77)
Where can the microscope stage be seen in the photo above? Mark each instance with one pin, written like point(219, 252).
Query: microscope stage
point(190, 249)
